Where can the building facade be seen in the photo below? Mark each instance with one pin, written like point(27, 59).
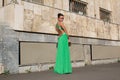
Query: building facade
point(28, 37)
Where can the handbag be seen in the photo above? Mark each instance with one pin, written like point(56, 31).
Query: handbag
point(56, 44)
point(69, 44)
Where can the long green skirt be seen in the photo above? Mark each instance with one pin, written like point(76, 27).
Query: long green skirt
point(63, 62)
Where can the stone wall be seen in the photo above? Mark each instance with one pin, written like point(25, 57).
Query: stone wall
point(32, 18)
point(111, 5)
point(92, 7)
point(35, 20)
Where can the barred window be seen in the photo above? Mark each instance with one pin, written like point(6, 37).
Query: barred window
point(105, 14)
point(3, 3)
point(78, 6)
point(35, 1)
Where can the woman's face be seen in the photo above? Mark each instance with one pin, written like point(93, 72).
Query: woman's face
point(61, 18)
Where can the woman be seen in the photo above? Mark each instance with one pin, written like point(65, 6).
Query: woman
point(63, 62)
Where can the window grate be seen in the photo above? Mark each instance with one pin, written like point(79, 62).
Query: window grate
point(38, 1)
point(78, 6)
point(105, 15)
point(35, 1)
point(2, 2)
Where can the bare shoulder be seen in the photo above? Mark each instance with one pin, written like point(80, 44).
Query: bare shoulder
point(62, 24)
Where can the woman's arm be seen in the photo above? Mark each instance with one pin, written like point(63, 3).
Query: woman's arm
point(61, 24)
point(57, 30)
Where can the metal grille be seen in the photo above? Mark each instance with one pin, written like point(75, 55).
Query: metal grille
point(78, 6)
point(2, 2)
point(35, 1)
point(105, 15)
point(38, 1)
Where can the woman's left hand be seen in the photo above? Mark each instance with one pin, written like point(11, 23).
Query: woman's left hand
point(69, 40)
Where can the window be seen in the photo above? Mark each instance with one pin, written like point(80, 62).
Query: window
point(78, 6)
point(105, 14)
point(35, 1)
point(2, 2)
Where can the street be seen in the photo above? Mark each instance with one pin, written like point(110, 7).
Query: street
point(93, 72)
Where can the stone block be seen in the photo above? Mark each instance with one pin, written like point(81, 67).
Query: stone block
point(19, 19)
point(1, 68)
point(10, 59)
point(87, 54)
point(1, 49)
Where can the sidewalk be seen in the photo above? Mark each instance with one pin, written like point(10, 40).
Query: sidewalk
point(97, 72)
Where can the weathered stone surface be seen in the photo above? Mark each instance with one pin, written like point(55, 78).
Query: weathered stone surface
point(58, 4)
point(1, 3)
point(38, 9)
point(28, 6)
point(1, 44)
point(0, 33)
point(18, 19)
point(77, 25)
point(28, 19)
point(1, 49)
point(10, 61)
point(87, 54)
point(37, 37)
point(114, 31)
point(49, 2)
point(9, 49)
point(50, 38)
point(30, 37)
point(10, 55)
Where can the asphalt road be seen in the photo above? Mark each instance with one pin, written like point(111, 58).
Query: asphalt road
point(96, 72)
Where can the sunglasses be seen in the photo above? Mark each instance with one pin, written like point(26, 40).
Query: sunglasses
point(61, 18)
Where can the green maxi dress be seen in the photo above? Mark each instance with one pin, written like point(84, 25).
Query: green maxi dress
point(63, 62)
